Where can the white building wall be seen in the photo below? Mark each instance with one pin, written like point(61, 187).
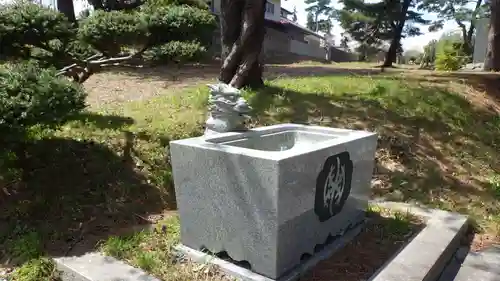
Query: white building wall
point(273, 10)
point(305, 49)
point(481, 41)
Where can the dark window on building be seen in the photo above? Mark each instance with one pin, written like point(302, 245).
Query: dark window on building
point(269, 8)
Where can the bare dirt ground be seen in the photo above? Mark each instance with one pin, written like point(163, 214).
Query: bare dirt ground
point(121, 85)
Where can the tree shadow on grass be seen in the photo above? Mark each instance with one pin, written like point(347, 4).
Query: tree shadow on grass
point(103, 121)
point(206, 72)
point(75, 193)
point(483, 82)
point(439, 157)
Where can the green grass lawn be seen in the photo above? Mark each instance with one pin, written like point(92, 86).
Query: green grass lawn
point(439, 145)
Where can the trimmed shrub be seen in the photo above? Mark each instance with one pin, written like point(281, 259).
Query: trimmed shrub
point(201, 4)
point(33, 96)
point(24, 25)
point(176, 51)
point(31, 31)
point(108, 32)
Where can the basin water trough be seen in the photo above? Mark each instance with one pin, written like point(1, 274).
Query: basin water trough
point(270, 195)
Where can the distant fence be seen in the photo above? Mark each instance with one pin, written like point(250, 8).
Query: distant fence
point(305, 49)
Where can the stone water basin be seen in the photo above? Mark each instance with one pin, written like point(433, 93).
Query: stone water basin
point(280, 141)
point(271, 195)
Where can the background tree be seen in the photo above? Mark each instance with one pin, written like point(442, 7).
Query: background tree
point(242, 35)
point(492, 61)
point(324, 25)
point(401, 18)
point(310, 23)
point(412, 56)
point(344, 42)
point(67, 8)
point(429, 55)
point(367, 52)
point(374, 24)
point(318, 8)
point(459, 12)
point(365, 24)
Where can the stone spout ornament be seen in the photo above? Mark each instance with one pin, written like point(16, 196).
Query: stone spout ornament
point(227, 110)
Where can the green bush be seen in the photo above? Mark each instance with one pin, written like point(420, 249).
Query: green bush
point(176, 51)
point(108, 32)
point(24, 25)
point(179, 23)
point(201, 4)
point(147, 27)
point(31, 31)
point(449, 55)
point(32, 96)
point(42, 269)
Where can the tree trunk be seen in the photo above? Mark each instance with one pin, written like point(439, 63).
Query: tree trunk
point(463, 29)
point(395, 43)
point(469, 45)
point(66, 7)
point(492, 61)
point(317, 22)
point(242, 36)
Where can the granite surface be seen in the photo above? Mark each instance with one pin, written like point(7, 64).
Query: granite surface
point(271, 195)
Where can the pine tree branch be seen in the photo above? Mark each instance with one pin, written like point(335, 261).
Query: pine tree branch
point(82, 70)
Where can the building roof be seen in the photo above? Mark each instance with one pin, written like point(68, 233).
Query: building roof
point(288, 22)
point(286, 11)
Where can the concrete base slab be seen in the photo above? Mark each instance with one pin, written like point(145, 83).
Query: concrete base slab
point(248, 275)
point(97, 267)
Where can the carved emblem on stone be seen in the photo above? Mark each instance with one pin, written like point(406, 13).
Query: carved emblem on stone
point(333, 186)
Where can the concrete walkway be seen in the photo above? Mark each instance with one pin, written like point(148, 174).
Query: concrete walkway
point(480, 266)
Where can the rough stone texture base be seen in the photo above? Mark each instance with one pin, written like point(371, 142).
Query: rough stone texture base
point(248, 275)
point(263, 196)
point(97, 267)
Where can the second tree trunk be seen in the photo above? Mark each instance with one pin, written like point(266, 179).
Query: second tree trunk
point(242, 35)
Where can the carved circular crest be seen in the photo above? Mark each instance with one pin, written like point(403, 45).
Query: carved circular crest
point(333, 186)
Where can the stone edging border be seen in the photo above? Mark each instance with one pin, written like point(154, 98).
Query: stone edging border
point(422, 259)
point(428, 253)
point(97, 267)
